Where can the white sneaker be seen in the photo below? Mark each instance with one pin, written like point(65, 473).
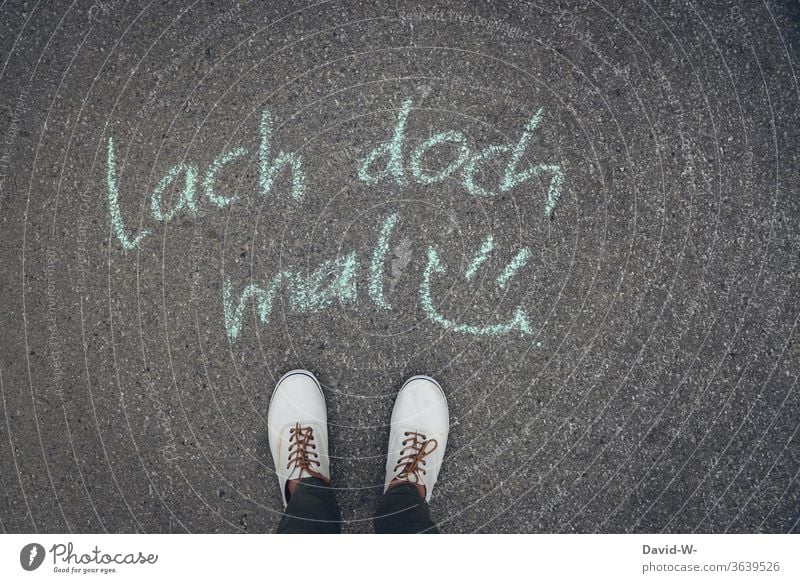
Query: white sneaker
point(298, 429)
point(418, 434)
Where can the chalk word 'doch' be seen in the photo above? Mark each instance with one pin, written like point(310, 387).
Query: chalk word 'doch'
point(466, 163)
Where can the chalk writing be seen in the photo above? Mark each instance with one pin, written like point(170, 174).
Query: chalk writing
point(481, 256)
point(268, 171)
point(394, 168)
point(113, 203)
point(519, 260)
point(376, 266)
point(334, 280)
point(441, 138)
point(211, 176)
point(186, 199)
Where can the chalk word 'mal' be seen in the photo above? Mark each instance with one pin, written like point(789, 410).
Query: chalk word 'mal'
point(334, 280)
point(465, 161)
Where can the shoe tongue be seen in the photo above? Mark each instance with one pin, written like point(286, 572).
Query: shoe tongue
point(298, 473)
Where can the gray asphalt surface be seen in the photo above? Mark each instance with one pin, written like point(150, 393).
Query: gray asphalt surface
point(656, 389)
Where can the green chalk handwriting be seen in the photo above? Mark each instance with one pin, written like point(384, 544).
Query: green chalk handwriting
point(186, 199)
point(471, 167)
point(512, 178)
point(519, 261)
point(269, 170)
point(376, 265)
point(113, 204)
point(334, 279)
point(263, 299)
point(470, 163)
point(394, 147)
point(416, 157)
point(211, 175)
point(480, 257)
point(267, 173)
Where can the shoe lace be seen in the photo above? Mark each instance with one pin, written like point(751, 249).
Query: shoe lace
point(412, 463)
point(300, 456)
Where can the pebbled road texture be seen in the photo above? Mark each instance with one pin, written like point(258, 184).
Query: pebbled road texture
point(655, 388)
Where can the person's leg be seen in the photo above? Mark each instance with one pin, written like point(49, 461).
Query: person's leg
point(298, 439)
point(403, 511)
point(312, 509)
point(417, 441)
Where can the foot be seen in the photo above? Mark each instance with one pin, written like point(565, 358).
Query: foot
point(418, 435)
point(298, 430)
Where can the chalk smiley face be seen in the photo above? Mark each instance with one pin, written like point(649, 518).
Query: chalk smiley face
point(519, 321)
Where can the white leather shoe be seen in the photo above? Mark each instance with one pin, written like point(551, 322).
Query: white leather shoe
point(418, 434)
point(298, 429)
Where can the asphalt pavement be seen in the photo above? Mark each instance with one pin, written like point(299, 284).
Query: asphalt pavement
point(581, 218)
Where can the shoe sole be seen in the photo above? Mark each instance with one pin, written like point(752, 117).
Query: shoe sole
point(301, 371)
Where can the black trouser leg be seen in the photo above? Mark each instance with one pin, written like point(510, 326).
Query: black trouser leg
point(312, 509)
point(403, 511)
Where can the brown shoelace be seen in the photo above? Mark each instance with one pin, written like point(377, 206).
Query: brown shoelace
point(417, 444)
point(300, 456)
